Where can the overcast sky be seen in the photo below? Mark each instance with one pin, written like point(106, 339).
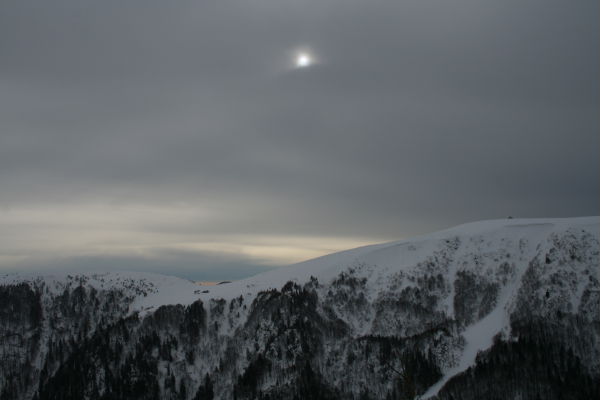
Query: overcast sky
point(177, 136)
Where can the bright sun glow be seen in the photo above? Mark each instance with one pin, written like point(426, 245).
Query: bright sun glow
point(303, 60)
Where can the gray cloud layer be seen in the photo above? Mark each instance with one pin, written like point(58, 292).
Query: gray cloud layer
point(421, 114)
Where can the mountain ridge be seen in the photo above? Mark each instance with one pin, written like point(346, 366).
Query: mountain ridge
point(442, 304)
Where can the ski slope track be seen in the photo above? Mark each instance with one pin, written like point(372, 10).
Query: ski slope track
point(511, 304)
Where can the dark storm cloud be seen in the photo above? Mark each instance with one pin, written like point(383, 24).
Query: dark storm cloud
point(419, 115)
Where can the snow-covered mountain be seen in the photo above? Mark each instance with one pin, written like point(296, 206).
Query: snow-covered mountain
point(489, 310)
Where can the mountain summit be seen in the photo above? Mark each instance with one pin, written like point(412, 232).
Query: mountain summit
point(489, 310)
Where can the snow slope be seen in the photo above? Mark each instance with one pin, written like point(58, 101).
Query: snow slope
point(388, 258)
point(147, 291)
point(456, 290)
point(399, 255)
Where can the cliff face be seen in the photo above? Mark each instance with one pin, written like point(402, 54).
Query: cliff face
point(498, 309)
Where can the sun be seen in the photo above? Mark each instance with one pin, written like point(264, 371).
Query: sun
point(303, 60)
